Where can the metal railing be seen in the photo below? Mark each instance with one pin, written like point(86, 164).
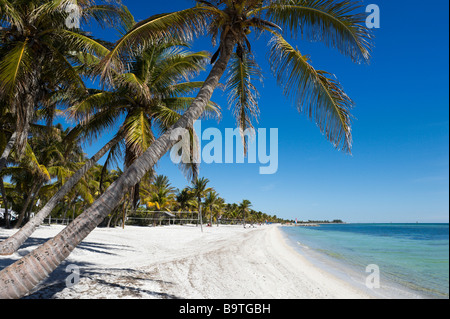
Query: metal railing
point(154, 218)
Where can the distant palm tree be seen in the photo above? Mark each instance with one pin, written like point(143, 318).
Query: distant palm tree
point(162, 200)
point(220, 204)
point(48, 155)
point(186, 201)
point(160, 195)
point(211, 202)
point(337, 23)
point(244, 207)
point(162, 182)
point(199, 189)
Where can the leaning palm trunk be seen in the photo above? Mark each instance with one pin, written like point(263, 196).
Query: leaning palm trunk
point(13, 243)
point(7, 150)
point(210, 217)
point(5, 201)
point(35, 187)
point(200, 215)
point(18, 279)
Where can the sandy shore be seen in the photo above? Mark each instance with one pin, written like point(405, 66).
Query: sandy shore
point(226, 262)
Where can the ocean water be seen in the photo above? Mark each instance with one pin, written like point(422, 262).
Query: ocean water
point(413, 259)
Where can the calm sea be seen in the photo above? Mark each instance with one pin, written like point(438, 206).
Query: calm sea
point(413, 258)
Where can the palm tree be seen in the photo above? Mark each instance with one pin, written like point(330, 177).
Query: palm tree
point(159, 196)
point(335, 23)
point(162, 200)
point(220, 205)
point(211, 202)
point(244, 207)
point(36, 42)
point(186, 201)
point(199, 189)
point(54, 52)
point(48, 155)
point(148, 95)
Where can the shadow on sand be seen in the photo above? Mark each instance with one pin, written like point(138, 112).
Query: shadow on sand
point(125, 282)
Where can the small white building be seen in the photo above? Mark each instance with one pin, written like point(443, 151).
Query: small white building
point(12, 214)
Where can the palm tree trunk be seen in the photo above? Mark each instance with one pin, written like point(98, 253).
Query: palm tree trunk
point(33, 201)
point(5, 201)
point(18, 279)
point(7, 150)
point(10, 245)
point(70, 204)
point(210, 216)
point(25, 205)
point(200, 215)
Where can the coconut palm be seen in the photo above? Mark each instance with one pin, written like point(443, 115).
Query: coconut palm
point(29, 177)
point(68, 179)
point(149, 94)
point(36, 42)
point(159, 195)
point(211, 203)
point(37, 31)
point(199, 189)
point(244, 208)
point(186, 201)
point(48, 155)
point(162, 200)
point(316, 93)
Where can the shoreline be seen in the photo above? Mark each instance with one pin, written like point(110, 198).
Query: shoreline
point(354, 275)
point(226, 262)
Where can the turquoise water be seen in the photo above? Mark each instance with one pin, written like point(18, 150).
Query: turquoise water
point(412, 256)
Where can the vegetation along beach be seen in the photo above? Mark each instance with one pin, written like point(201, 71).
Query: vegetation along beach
point(223, 149)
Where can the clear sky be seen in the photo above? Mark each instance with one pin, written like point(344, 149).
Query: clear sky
point(399, 169)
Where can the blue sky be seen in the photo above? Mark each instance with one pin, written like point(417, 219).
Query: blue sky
point(400, 164)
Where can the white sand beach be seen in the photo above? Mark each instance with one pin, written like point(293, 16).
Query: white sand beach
point(226, 262)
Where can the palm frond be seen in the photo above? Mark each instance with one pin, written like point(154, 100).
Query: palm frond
point(315, 93)
point(138, 133)
point(130, 82)
point(30, 161)
point(181, 89)
point(77, 42)
point(14, 67)
point(182, 25)
point(100, 122)
point(243, 95)
point(180, 66)
point(171, 110)
point(333, 22)
point(68, 77)
point(96, 103)
point(10, 15)
point(110, 16)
